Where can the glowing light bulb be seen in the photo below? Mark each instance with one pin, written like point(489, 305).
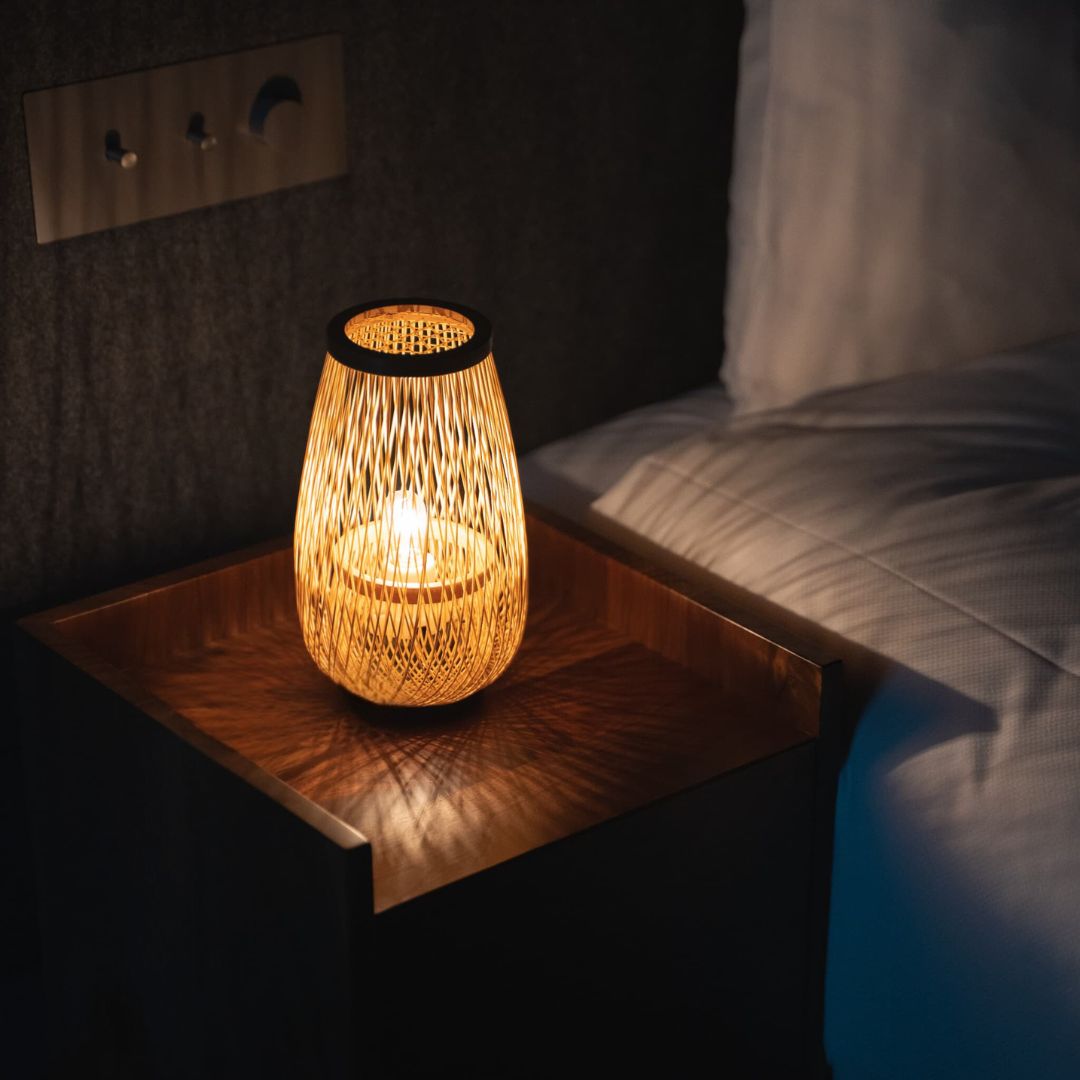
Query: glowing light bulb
point(408, 524)
point(408, 518)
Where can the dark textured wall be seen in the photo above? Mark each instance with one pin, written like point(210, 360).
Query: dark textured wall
point(559, 164)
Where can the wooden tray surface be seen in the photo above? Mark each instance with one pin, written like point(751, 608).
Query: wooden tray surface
point(626, 690)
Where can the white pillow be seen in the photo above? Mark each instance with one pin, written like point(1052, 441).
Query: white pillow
point(905, 192)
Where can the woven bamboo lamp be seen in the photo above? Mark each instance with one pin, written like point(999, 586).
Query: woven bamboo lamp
point(411, 577)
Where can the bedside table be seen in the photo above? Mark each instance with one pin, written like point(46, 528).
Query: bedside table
point(610, 856)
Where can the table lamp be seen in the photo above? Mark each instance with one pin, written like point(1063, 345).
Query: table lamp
point(410, 555)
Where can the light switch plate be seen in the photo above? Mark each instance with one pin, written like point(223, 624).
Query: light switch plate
point(77, 188)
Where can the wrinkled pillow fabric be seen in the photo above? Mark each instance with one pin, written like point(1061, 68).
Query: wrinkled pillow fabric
point(906, 189)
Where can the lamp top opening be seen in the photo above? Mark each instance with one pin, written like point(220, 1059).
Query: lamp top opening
point(410, 338)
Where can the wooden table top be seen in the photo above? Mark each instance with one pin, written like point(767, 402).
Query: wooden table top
point(590, 721)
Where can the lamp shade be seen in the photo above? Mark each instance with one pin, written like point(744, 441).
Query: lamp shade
point(409, 548)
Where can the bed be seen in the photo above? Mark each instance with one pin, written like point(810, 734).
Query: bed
point(896, 459)
point(934, 519)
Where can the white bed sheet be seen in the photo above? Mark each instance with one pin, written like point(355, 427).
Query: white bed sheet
point(569, 474)
point(934, 519)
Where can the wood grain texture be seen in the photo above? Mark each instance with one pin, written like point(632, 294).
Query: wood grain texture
point(751, 656)
point(569, 739)
point(589, 722)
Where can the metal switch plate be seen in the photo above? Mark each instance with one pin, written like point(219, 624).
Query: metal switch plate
point(151, 143)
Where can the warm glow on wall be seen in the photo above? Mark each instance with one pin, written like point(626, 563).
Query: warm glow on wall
point(410, 532)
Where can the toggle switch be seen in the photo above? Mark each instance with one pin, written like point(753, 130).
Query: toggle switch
point(115, 152)
point(198, 134)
